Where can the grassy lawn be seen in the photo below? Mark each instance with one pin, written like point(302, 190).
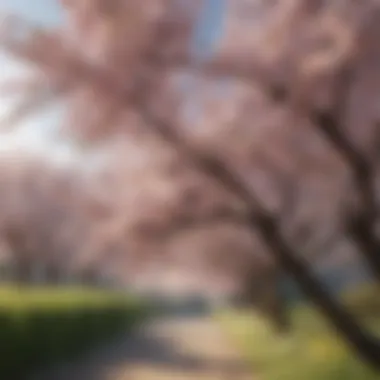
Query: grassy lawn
point(311, 351)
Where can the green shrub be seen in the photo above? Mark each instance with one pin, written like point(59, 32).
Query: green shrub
point(39, 327)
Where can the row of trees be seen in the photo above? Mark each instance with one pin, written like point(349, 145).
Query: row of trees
point(45, 210)
point(287, 156)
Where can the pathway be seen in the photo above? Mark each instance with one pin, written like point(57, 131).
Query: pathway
point(170, 348)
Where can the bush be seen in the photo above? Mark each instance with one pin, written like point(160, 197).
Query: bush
point(39, 327)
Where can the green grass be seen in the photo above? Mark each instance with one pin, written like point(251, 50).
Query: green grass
point(311, 351)
point(41, 326)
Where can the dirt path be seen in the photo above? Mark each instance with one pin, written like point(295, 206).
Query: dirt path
point(176, 348)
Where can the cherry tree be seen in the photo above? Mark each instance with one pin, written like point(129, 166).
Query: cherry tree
point(298, 72)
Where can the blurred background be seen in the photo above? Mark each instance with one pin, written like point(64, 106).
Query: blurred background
point(189, 189)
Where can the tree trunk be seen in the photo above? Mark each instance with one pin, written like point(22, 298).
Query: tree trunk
point(368, 244)
point(362, 225)
point(22, 271)
point(265, 295)
point(89, 277)
point(366, 346)
point(276, 308)
point(52, 274)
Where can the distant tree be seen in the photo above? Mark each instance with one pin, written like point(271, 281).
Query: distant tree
point(38, 217)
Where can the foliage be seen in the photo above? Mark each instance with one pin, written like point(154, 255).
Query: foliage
point(311, 351)
point(41, 326)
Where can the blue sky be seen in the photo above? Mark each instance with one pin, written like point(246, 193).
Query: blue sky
point(36, 133)
point(42, 11)
point(210, 26)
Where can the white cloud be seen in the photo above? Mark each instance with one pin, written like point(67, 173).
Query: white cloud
point(38, 133)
